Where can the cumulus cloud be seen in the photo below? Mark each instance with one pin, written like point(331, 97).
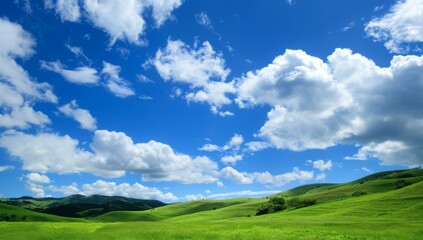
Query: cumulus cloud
point(36, 183)
point(200, 68)
point(256, 146)
point(123, 20)
point(19, 92)
point(265, 177)
point(101, 187)
point(233, 144)
point(194, 197)
point(162, 9)
point(82, 116)
point(38, 178)
point(232, 159)
point(238, 177)
point(120, 19)
point(400, 27)
point(114, 83)
point(80, 75)
point(348, 99)
point(68, 10)
point(321, 165)
point(113, 154)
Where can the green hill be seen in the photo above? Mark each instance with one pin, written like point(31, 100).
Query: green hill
point(17, 214)
point(82, 206)
point(390, 208)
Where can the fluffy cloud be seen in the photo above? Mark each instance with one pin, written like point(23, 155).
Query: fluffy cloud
point(80, 75)
point(232, 159)
point(113, 154)
point(348, 99)
point(201, 68)
point(162, 9)
point(19, 92)
point(82, 116)
point(124, 20)
point(256, 146)
point(321, 165)
point(36, 183)
point(265, 177)
point(234, 175)
point(38, 178)
point(114, 83)
point(68, 10)
point(233, 144)
point(194, 197)
point(120, 19)
point(101, 187)
point(400, 27)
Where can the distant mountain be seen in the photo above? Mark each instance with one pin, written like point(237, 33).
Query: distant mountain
point(81, 206)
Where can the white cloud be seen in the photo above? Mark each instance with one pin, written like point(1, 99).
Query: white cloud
point(19, 92)
point(400, 27)
point(77, 51)
point(117, 85)
point(232, 159)
point(201, 68)
point(80, 75)
point(38, 178)
point(82, 116)
point(246, 193)
point(6, 168)
point(321, 165)
point(366, 170)
point(320, 177)
point(35, 183)
point(101, 187)
point(113, 154)
point(204, 20)
point(210, 147)
point(256, 146)
point(347, 99)
point(68, 10)
point(265, 177)
point(162, 9)
point(120, 19)
point(235, 142)
point(194, 197)
point(234, 175)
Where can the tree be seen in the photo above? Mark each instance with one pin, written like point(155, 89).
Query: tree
point(275, 204)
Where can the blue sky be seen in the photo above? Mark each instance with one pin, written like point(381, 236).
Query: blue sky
point(180, 100)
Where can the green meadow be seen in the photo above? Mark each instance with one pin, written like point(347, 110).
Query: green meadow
point(389, 206)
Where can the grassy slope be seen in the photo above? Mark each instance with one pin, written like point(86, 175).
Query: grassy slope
point(20, 214)
point(384, 213)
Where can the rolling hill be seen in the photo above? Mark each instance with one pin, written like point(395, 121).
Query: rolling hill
point(82, 206)
point(390, 206)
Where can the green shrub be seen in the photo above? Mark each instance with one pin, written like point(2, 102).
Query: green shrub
point(275, 204)
point(401, 183)
point(359, 193)
point(300, 203)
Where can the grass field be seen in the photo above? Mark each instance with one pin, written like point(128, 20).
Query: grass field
point(383, 213)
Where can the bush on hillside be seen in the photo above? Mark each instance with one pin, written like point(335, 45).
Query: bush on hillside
point(275, 204)
point(401, 183)
point(359, 193)
point(300, 203)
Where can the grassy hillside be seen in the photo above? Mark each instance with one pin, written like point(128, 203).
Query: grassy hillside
point(16, 214)
point(82, 206)
point(387, 211)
